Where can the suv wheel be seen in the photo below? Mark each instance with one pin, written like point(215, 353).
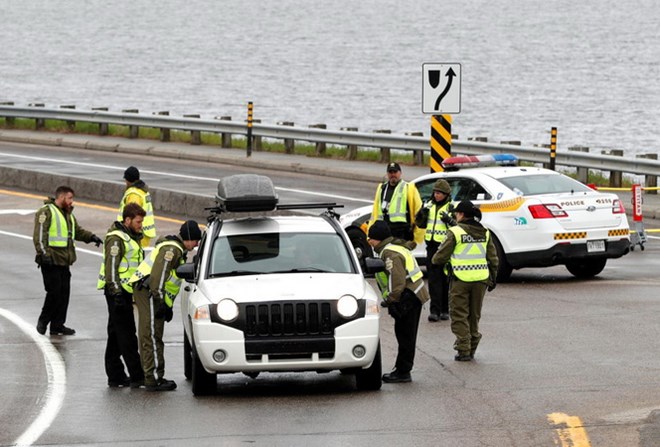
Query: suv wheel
point(370, 379)
point(203, 383)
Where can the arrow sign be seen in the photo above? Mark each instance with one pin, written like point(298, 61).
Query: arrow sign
point(441, 88)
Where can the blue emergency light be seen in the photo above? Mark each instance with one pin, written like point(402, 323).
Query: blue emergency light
point(474, 161)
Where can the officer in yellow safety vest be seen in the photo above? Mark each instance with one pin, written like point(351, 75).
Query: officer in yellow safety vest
point(471, 254)
point(55, 230)
point(403, 290)
point(155, 281)
point(435, 217)
point(138, 192)
point(122, 255)
point(397, 202)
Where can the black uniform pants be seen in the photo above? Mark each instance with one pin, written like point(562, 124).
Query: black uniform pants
point(57, 282)
point(406, 322)
point(122, 342)
point(438, 283)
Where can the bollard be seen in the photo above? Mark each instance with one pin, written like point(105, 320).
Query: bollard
point(582, 173)
point(616, 177)
point(418, 155)
point(164, 132)
point(553, 148)
point(288, 142)
point(225, 137)
point(39, 123)
point(248, 142)
point(195, 135)
point(320, 146)
point(351, 149)
point(385, 152)
point(104, 129)
point(9, 120)
point(133, 131)
point(71, 125)
point(257, 139)
point(650, 181)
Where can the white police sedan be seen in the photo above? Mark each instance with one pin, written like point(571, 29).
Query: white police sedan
point(538, 217)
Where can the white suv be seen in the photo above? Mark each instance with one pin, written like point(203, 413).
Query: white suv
point(276, 294)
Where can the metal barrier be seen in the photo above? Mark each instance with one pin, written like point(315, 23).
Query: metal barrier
point(320, 136)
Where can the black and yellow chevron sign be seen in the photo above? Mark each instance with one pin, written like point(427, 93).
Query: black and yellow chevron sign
point(440, 141)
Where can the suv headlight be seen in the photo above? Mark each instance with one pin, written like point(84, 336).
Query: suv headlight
point(227, 310)
point(347, 306)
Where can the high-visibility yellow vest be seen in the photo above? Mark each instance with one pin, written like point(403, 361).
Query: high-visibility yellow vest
point(58, 232)
point(436, 229)
point(413, 272)
point(149, 223)
point(172, 283)
point(397, 207)
point(468, 261)
point(133, 255)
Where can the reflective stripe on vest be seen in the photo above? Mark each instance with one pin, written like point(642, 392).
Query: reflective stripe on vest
point(128, 264)
point(172, 283)
point(149, 223)
point(397, 208)
point(436, 229)
point(58, 232)
point(468, 261)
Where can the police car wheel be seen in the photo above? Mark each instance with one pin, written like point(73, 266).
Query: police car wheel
point(504, 269)
point(187, 358)
point(586, 268)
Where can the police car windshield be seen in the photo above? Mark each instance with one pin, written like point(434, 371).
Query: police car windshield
point(279, 253)
point(528, 185)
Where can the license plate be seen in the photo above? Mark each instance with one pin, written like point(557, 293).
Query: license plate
point(595, 246)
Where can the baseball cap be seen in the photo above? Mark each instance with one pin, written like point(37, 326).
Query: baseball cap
point(391, 167)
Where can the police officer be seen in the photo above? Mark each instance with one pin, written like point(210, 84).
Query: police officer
point(397, 203)
point(138, 192)
point(55, 230)
point(403, 289)
point(435, 217)
point(471, 253)
point(155, 281)
point(122, 255)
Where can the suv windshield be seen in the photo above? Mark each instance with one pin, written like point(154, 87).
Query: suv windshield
point(528, 185)
point(263, 253)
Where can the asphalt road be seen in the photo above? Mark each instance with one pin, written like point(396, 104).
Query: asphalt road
point(561, 360)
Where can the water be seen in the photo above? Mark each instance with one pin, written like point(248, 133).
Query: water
point(590, 68)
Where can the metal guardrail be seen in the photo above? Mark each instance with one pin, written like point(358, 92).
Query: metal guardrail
point(584, 160)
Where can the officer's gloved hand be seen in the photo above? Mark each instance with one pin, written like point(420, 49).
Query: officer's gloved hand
point(491, 286)
point(446, 218)
point(164, 312)
point(119, 299)
point(44, 260)
point(96, 240)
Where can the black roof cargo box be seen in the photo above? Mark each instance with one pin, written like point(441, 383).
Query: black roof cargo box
point(246, 192)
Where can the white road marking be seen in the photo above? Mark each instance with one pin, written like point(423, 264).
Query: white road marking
point(169, 174)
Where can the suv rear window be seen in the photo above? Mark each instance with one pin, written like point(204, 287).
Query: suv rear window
point(528, 185)
point(263, 253)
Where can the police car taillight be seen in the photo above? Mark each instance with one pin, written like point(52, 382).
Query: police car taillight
point(547, 211)
point(617, 207)
point(475, 161)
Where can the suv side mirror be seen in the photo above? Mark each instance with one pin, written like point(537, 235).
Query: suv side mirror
point(186, 271)
point(374, 265)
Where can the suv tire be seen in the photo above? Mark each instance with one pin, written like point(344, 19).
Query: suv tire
point(203, 383)
point(370, 379)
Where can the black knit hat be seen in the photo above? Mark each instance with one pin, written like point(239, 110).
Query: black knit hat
point(132, 174)
point(190, 231)
point(379, 231)
point(467, 208)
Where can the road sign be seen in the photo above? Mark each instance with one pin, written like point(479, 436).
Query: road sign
point(441, 88)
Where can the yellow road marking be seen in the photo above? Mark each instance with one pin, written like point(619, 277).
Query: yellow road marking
point(570, 430)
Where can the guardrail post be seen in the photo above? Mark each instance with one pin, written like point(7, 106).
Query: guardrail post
point(133, 131)
point(39, 123)
point(481, 139)
point(385, 152)
point(511, 142)
point(582, 173)
point(195, 135)
point(289, 144)
point(164, 132)
point(9, 120)
point(351, 149)
point(104, 129)
point(418, 155)
point(320, 145)
point(650, 181)
point(616, 177)
point(225, 137)
point(71, 125)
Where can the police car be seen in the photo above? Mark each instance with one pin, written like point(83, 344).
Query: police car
point(272, 293)
point(538, 217)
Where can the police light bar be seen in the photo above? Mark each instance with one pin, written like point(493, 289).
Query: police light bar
point(474, 161)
